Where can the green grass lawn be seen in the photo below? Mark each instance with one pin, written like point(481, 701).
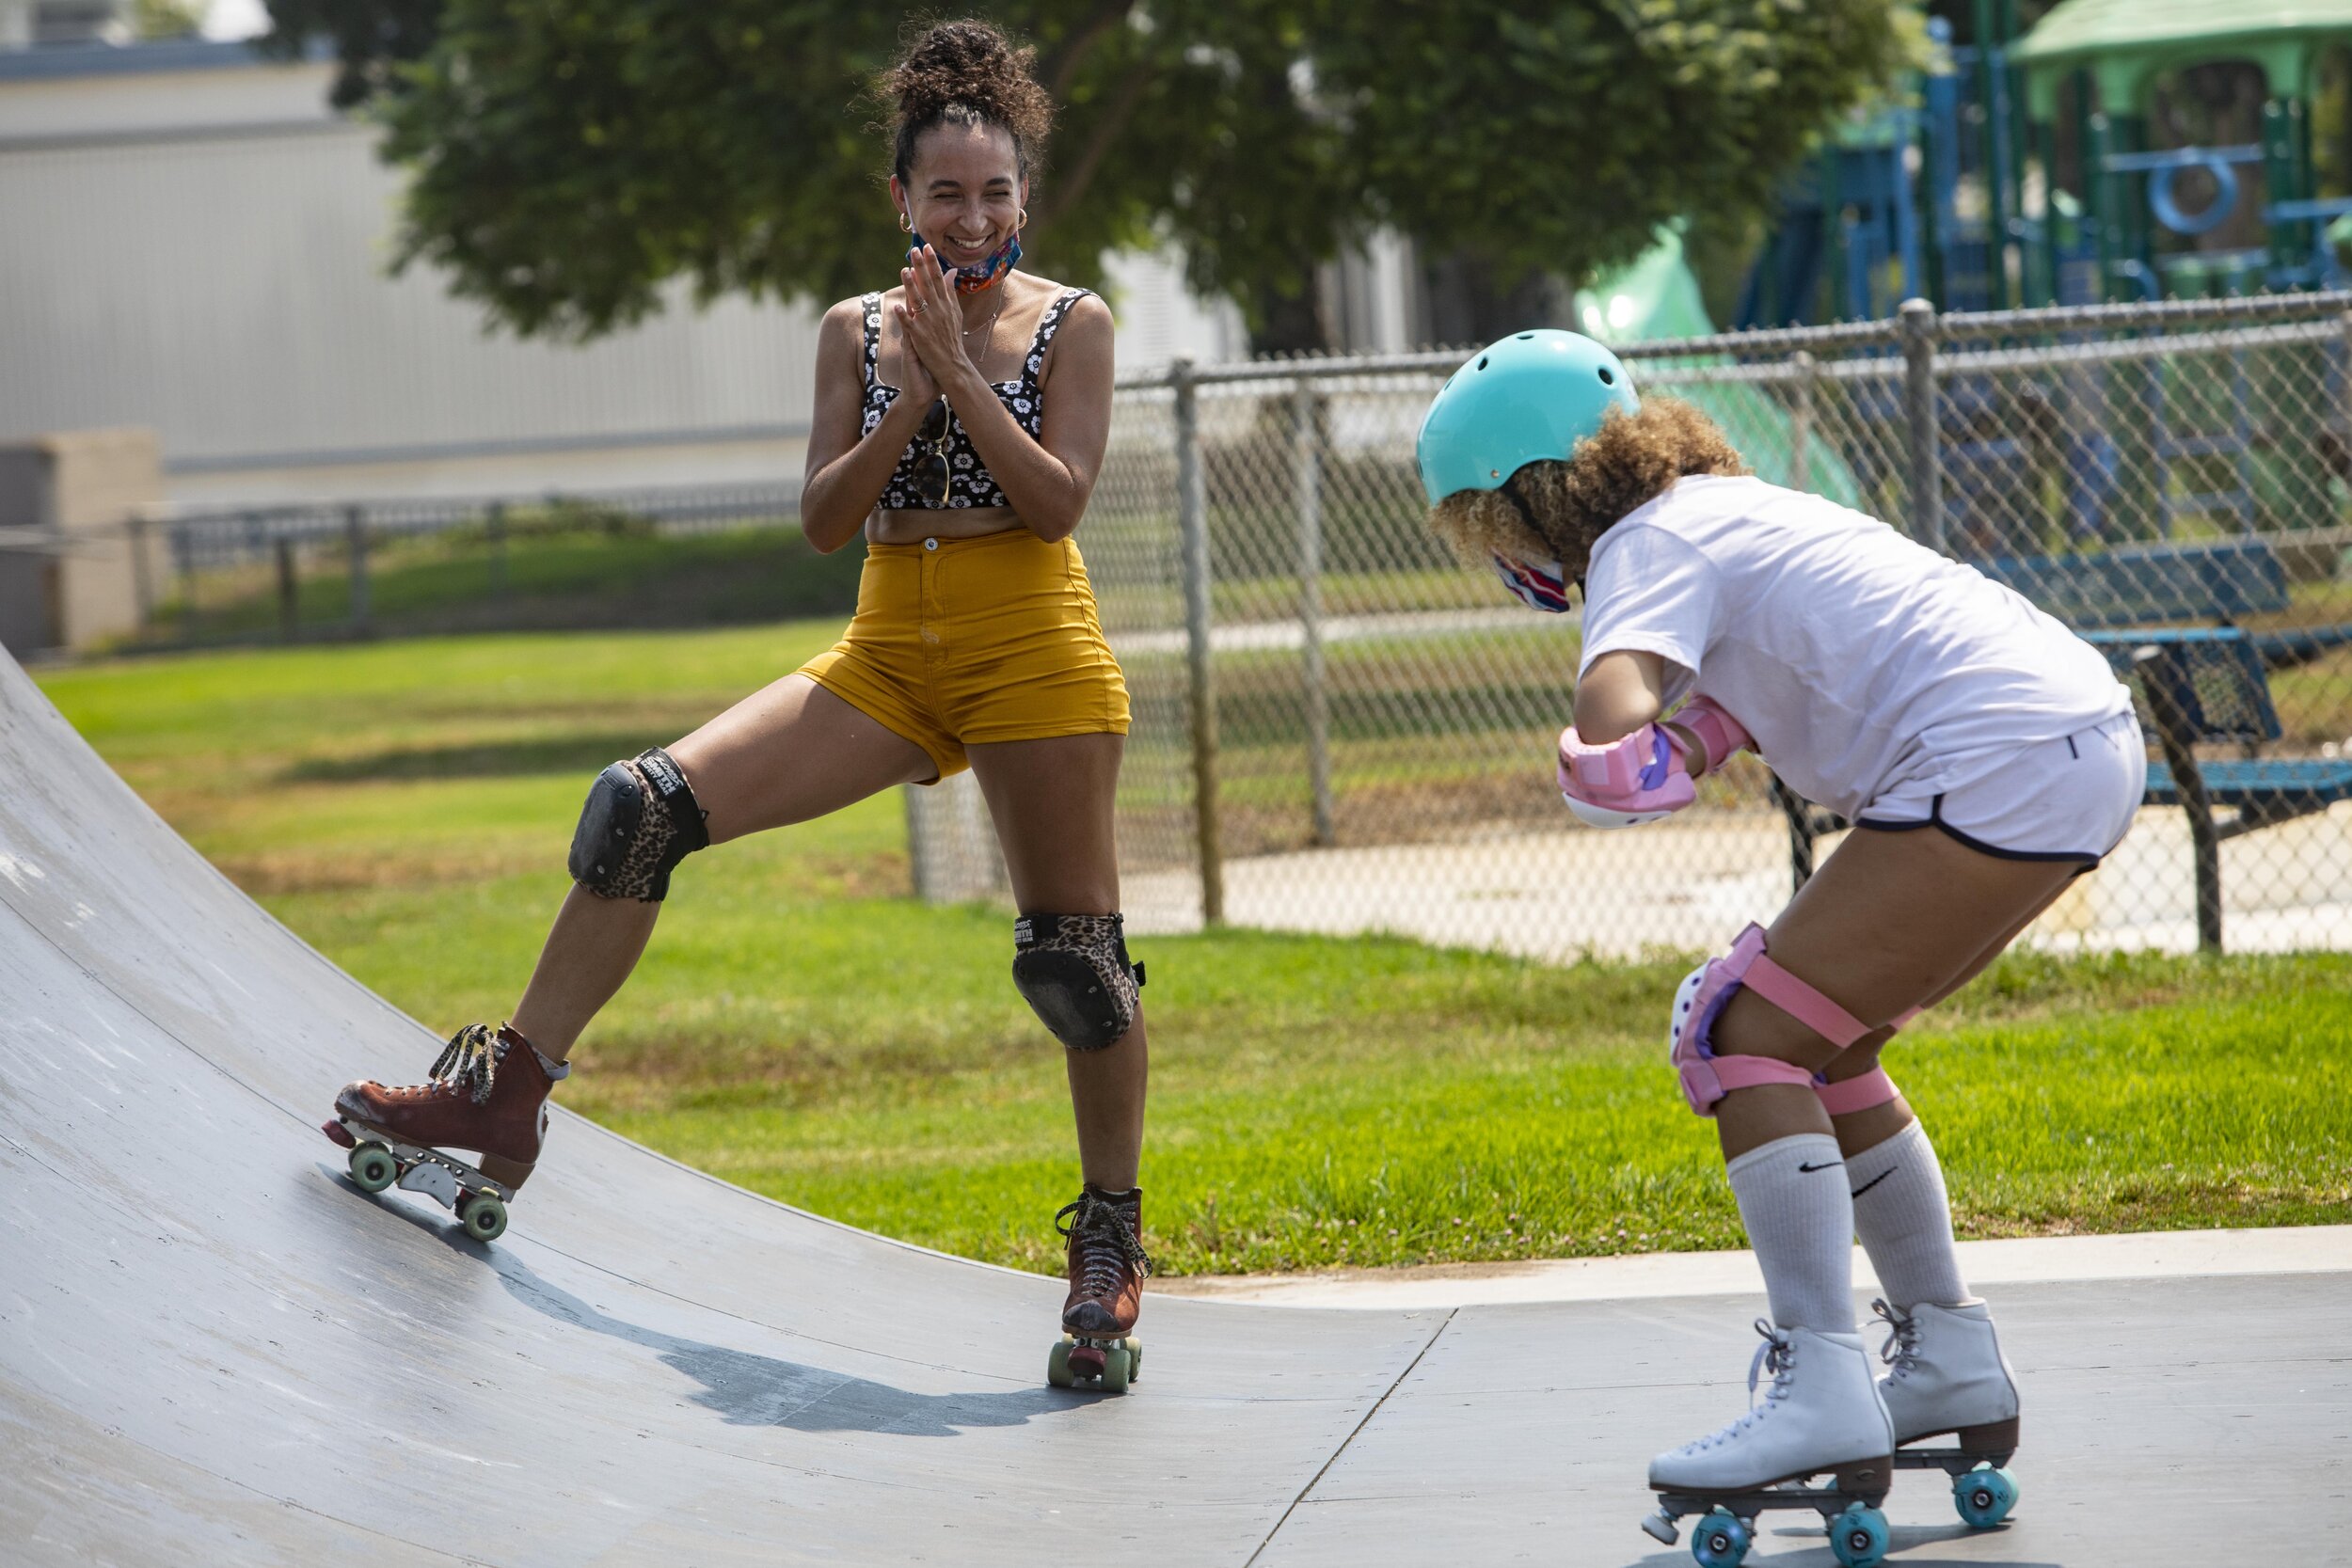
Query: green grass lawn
point(803, 1027)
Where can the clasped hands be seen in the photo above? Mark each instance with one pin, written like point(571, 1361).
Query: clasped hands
point(930, 324)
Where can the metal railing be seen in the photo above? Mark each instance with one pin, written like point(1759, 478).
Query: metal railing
point(384, 567)
point(1338, 729)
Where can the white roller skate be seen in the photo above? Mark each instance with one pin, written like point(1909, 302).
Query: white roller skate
point(1947, 1377)
point(1821, 1415)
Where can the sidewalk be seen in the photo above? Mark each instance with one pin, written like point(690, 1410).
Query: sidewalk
point(1553, 895)
point(2156, 1255)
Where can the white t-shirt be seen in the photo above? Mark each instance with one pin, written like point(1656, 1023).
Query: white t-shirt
point(1858, 659)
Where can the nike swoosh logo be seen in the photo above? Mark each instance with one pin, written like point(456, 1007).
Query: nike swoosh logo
point(1874, 1182)
point(1834, 1164)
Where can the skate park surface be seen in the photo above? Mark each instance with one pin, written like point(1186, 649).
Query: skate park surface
point(215, 1349)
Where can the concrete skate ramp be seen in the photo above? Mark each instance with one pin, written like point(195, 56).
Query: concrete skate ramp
point(214, 1349)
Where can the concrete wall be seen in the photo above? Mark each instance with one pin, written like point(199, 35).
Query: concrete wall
point(69, 577)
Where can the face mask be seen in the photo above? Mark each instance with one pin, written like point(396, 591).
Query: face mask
point(1537, 584)
point(987, 272)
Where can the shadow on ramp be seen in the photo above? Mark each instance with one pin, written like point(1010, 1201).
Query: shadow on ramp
point(743, 1388)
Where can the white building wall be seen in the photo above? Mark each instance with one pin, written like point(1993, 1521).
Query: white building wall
point(180, 87)
point(1160, 320)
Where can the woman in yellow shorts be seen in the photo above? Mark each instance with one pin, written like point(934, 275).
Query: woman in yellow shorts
point(960, 421)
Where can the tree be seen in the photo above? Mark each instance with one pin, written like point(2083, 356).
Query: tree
point(153, 20)
point(568, 161)
point(372, 40)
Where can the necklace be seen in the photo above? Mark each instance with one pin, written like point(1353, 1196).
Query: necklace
point(989, 342)
point(991, 323)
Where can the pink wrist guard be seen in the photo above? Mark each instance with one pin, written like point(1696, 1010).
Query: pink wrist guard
point(1625, 782)
point(1717, 730)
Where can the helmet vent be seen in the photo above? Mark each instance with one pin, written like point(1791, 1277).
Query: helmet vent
point(1527, 336)
point(1482, 361)
point(1607, 379)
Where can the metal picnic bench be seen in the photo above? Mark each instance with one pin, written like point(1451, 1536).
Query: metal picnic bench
point(2195, 686)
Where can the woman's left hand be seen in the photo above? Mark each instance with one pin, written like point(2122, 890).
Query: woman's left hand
point(933, 319)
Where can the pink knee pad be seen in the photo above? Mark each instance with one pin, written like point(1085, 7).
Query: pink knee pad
point(1856, 1094)
point(1700, 999)
point(1872, 1088)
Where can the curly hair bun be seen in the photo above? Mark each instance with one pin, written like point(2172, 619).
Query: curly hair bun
point(968, 74)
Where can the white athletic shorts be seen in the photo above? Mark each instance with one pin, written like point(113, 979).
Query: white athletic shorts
point(2071, 798)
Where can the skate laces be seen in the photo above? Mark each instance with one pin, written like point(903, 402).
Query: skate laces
point(468, 1063)
point(1776, 1354)
point(1902, 1349)
point(1105, 1239)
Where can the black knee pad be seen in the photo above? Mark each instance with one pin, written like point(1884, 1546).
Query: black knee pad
point(640, 821)
point(1074, 971)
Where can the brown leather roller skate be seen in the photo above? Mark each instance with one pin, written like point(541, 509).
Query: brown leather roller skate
point(487, 1092)
point(1107, 1268)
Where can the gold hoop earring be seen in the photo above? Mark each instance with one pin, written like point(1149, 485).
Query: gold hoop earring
point(906, 224)
point(1022, 221)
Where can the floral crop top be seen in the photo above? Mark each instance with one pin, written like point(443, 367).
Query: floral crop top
point(969, 482)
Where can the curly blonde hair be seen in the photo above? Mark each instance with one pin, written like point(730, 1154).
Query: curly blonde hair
point(1625, 463)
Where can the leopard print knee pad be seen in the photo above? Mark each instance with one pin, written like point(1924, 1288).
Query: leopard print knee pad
point(640, 821)
point(1074, 971)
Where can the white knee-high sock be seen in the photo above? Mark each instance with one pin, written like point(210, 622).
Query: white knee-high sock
point(1904, 1218)
point(1794, 1201)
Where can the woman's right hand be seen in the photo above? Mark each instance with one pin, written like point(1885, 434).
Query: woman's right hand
point(917, 387)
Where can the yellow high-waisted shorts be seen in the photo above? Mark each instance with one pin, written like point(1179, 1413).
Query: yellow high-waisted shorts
point(958, 641)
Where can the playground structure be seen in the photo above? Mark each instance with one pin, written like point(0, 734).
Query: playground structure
point(2023, 172)
point(1967, 193)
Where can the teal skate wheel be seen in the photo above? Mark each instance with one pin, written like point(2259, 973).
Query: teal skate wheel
point(1118, 1370)
point(1983, 1498)
point(1134, 1357)
point(484, 1217)
point(373, 1167)
point(1058, 1370)
point(1859, 1537)
point(1721, 1539)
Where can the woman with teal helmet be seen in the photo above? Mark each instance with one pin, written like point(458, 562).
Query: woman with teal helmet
point(1532, 395)
point(1528, 398)
point(1903, 690)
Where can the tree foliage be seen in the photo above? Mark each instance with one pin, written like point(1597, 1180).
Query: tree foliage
point(569, 161)
point(372, 38)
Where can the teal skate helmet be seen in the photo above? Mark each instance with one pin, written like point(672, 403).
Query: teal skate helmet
point(1533, 395)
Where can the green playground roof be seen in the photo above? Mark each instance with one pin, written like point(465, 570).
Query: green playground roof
point(2125, 42)
point(2096, 27)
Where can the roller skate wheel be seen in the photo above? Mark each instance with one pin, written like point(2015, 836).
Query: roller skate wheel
point(1660, 1526)
point(1058, 1370)
point(1134, 1357)
point(373, 1168)
point(1859, 1537)
point(484, 1217)
point(1721, 1539)
point(1118, 1369)
point(1984, 1497)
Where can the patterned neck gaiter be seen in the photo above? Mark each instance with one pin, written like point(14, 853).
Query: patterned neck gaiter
point(987, 272)
point(1537, 584)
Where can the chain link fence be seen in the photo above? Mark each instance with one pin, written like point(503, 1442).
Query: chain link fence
point(1338, 729)
point(648, 557)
